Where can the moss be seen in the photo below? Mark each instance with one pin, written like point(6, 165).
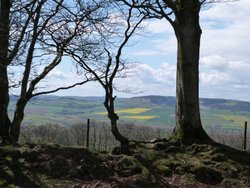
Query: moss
point(149, 155)
point(146, 178)
point(206, 154)
point(180, 170)
point(164, 170)
point(189, 180)
point(182, 156)
point(9, 172)
point(162, 166)
point(8, 158)
point(232, 183)
point(177, 136)
point(180, 163)
point(189, 135)
point(21, 160)
point(10, 151)
point(194, 161)
point(128, 166)
point(193, 165)
point(218, 157)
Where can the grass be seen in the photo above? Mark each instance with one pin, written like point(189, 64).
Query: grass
point(223, 120)
point(237, 119)
point(140, 117)
point(231, 103)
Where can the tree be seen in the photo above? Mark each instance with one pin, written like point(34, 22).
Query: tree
point(183, 16)
point(34, 37)
point(4, 84)
point(109, 64)
point(79, 132)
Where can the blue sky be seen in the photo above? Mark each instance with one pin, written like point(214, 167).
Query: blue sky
point(224, 59)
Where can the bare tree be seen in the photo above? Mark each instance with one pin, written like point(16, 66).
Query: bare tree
point(109, 64)
point(101, 138)
point(78, 132)
point(34, 38)
point(183, 16)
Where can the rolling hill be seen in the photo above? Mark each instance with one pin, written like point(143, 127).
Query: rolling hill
point(217, 114)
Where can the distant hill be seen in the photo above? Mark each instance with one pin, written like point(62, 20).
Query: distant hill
point(222, 104)
point(217, 114)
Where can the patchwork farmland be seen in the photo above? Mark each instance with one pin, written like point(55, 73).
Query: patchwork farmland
point(216, 114)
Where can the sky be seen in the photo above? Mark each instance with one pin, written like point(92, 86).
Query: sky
point(224, 58)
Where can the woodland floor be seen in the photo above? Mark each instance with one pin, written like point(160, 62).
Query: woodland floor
point(159, 164)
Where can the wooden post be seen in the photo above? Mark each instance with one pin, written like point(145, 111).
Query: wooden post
point(245, 137)
point(87, 143)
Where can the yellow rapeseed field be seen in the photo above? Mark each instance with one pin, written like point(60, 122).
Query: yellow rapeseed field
point(140, 117)
point(128, 111)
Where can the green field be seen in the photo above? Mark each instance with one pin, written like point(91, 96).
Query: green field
point(216, 114)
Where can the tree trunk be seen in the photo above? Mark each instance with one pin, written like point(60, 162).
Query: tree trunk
point(123, 140)
point(4, 83)
point(113, 117)
point(188, 32)
point(18, 118)
point(4, 102)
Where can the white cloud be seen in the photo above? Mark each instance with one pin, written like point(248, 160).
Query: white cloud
point(159, 27)
point(59, 78)
point(58, 75)
point(148, 80)
point(88, 89)
point(213, 61)
point(225, 31)
point(225, 54)
point(158, 40)
point(214, 78)
point(227, 11)
point(166, 45)
point(162, 75)
point(221, 77)
point(229, 35)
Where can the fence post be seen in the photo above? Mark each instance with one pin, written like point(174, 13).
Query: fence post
point(245, 137)
point(87, 143)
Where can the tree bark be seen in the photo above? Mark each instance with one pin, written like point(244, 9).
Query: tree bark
point(188, 32)
point(18, 118)
point(113, 117)
point(4, 83)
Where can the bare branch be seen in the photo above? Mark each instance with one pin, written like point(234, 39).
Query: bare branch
point(62, 88)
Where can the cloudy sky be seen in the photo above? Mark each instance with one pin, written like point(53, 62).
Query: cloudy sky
point(224, 62)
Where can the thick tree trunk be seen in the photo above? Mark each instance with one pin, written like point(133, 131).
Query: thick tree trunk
point(188, 32)
point(18, 118)
point(4, 83)
point(4, 102)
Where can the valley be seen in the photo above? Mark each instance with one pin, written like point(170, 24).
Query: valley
point(218, 115)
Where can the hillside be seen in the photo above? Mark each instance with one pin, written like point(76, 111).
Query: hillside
point(217, 114)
